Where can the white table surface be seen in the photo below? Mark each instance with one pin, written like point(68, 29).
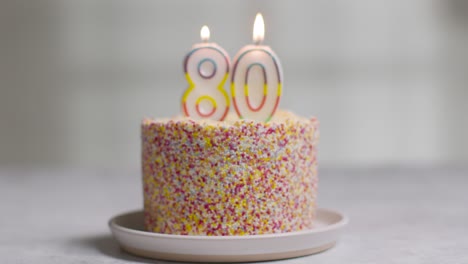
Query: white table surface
point(406, 215)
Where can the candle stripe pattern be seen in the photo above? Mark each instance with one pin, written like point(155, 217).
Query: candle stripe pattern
point(246, 87)
point(208, 87)
point(237, 177)
point(211, 100)
point(246, 60)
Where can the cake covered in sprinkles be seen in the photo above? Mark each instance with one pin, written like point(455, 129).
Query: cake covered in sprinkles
point(231, 177)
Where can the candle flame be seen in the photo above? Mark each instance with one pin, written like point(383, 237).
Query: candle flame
point(205, 33)
point(259, 29)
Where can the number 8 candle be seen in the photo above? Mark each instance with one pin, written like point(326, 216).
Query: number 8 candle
point(256, 80)
point(206, 69)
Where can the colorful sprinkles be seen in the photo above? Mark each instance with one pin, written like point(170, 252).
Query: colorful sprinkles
point(236, 177)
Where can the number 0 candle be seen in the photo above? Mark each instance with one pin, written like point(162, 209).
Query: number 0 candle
point(206, 69)
point(257, 77)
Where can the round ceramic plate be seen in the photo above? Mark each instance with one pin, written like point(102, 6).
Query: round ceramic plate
point(129, 232)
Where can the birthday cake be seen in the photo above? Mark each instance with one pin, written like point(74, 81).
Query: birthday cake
point(214, 172)
point(231, 177)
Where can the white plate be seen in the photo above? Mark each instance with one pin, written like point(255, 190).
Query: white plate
point(129, 232)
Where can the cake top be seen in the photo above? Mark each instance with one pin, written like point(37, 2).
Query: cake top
point(232, 120)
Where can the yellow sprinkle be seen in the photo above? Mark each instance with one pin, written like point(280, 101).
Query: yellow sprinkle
point(208, 142)
point(166, 192)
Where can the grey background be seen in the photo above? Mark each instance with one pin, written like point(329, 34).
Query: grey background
point(387, 79)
